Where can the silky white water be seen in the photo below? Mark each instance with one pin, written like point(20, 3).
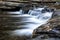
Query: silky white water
point(32, 20)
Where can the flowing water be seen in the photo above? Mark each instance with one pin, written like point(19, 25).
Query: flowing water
point(28, 22)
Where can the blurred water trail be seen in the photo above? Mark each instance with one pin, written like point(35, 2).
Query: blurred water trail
point(33, 19)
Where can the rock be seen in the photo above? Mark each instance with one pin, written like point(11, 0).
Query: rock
point(8, 5)
point(53, 24)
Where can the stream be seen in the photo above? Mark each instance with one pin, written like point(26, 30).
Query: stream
point(26, 22)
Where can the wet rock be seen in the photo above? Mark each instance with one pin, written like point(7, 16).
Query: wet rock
point(53, 24)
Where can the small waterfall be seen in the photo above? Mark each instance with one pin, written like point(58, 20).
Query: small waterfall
point(27, 22)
